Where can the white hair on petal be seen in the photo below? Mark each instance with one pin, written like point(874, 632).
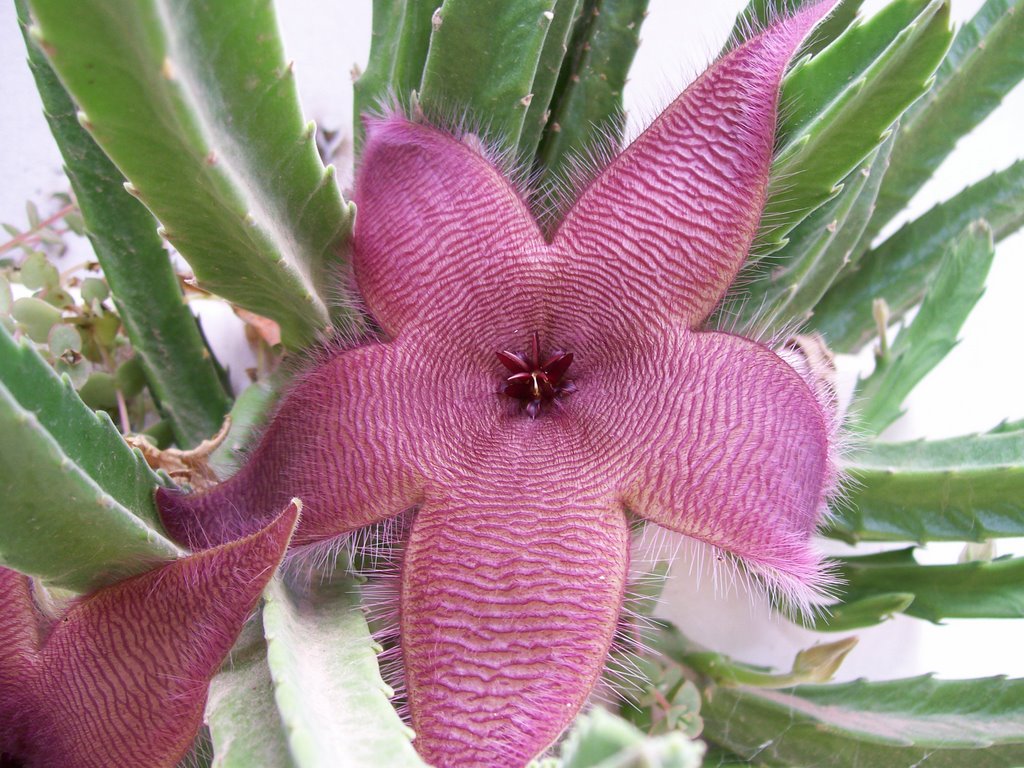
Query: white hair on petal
point(581, 167)
point(471, 131)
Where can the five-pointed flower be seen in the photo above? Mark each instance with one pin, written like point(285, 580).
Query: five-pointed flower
point(532, 389)
point(121, 676)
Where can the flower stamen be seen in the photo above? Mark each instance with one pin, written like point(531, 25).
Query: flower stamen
point(533, 382)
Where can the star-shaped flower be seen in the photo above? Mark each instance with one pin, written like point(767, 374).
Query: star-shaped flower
point(535, 387)
point(120, 677)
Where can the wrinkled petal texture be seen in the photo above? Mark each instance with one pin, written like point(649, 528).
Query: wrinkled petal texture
point(346, 440)
point(727, 444)
point(514, 569)
point(669, 223)
point(508, 610)
point(121, 677)
point(19, 642)
point(439, 230)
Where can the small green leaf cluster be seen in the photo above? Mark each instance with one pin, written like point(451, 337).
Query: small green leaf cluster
point(70, 318)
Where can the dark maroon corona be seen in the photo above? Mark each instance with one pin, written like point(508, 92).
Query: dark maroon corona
point(533, 382)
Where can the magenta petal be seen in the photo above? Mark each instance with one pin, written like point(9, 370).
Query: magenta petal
point(20, 625)
point(344, 440)
point(508, 610)
point(121, 678)
point(721, 440)
point(436, 222)
point(669, 223)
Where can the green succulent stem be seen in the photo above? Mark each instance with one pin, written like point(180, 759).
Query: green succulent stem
point(198, 108)
point(178, 365)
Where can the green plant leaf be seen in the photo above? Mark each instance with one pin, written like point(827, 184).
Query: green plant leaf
point(971, 590)
point(910, 722)
point(838, 106)
point(245, 725)
point(163, 332)
point(854, 613)
point(586, 107)
point(955, 288)
point(373, 86)
point(195, 105)
point(967, 488)
point(77, 505)
point(984, 63)
point(556, 47)
point(716, 756)
point(37, 272)
point(817, 664)
point(654, 694)
point(899, 268)
point(926, 714)
point(1007, 426)
point(597, 736)
point(398, 50)
point(248, 414)
point(601, 740)
point(483, 57)
point(327, 685)
point(782, 290)
point(6, 297)
point(35, 317)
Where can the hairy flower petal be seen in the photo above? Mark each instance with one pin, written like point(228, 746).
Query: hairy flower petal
point(727, 444)
point(508, 610)
point(670, 222)
point(121, 678)
point(436, 222)
point(344, 440)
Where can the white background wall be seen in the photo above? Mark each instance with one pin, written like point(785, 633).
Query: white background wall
point(975, 387)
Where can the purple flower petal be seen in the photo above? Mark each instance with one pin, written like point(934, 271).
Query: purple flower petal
point(345, 440)
point(121, 677)
point(20, 629)
point(668, 224)
point(508, 610)
point(719, 439)
point(438, 225)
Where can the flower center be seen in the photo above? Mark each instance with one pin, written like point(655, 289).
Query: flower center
point(535, 381)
